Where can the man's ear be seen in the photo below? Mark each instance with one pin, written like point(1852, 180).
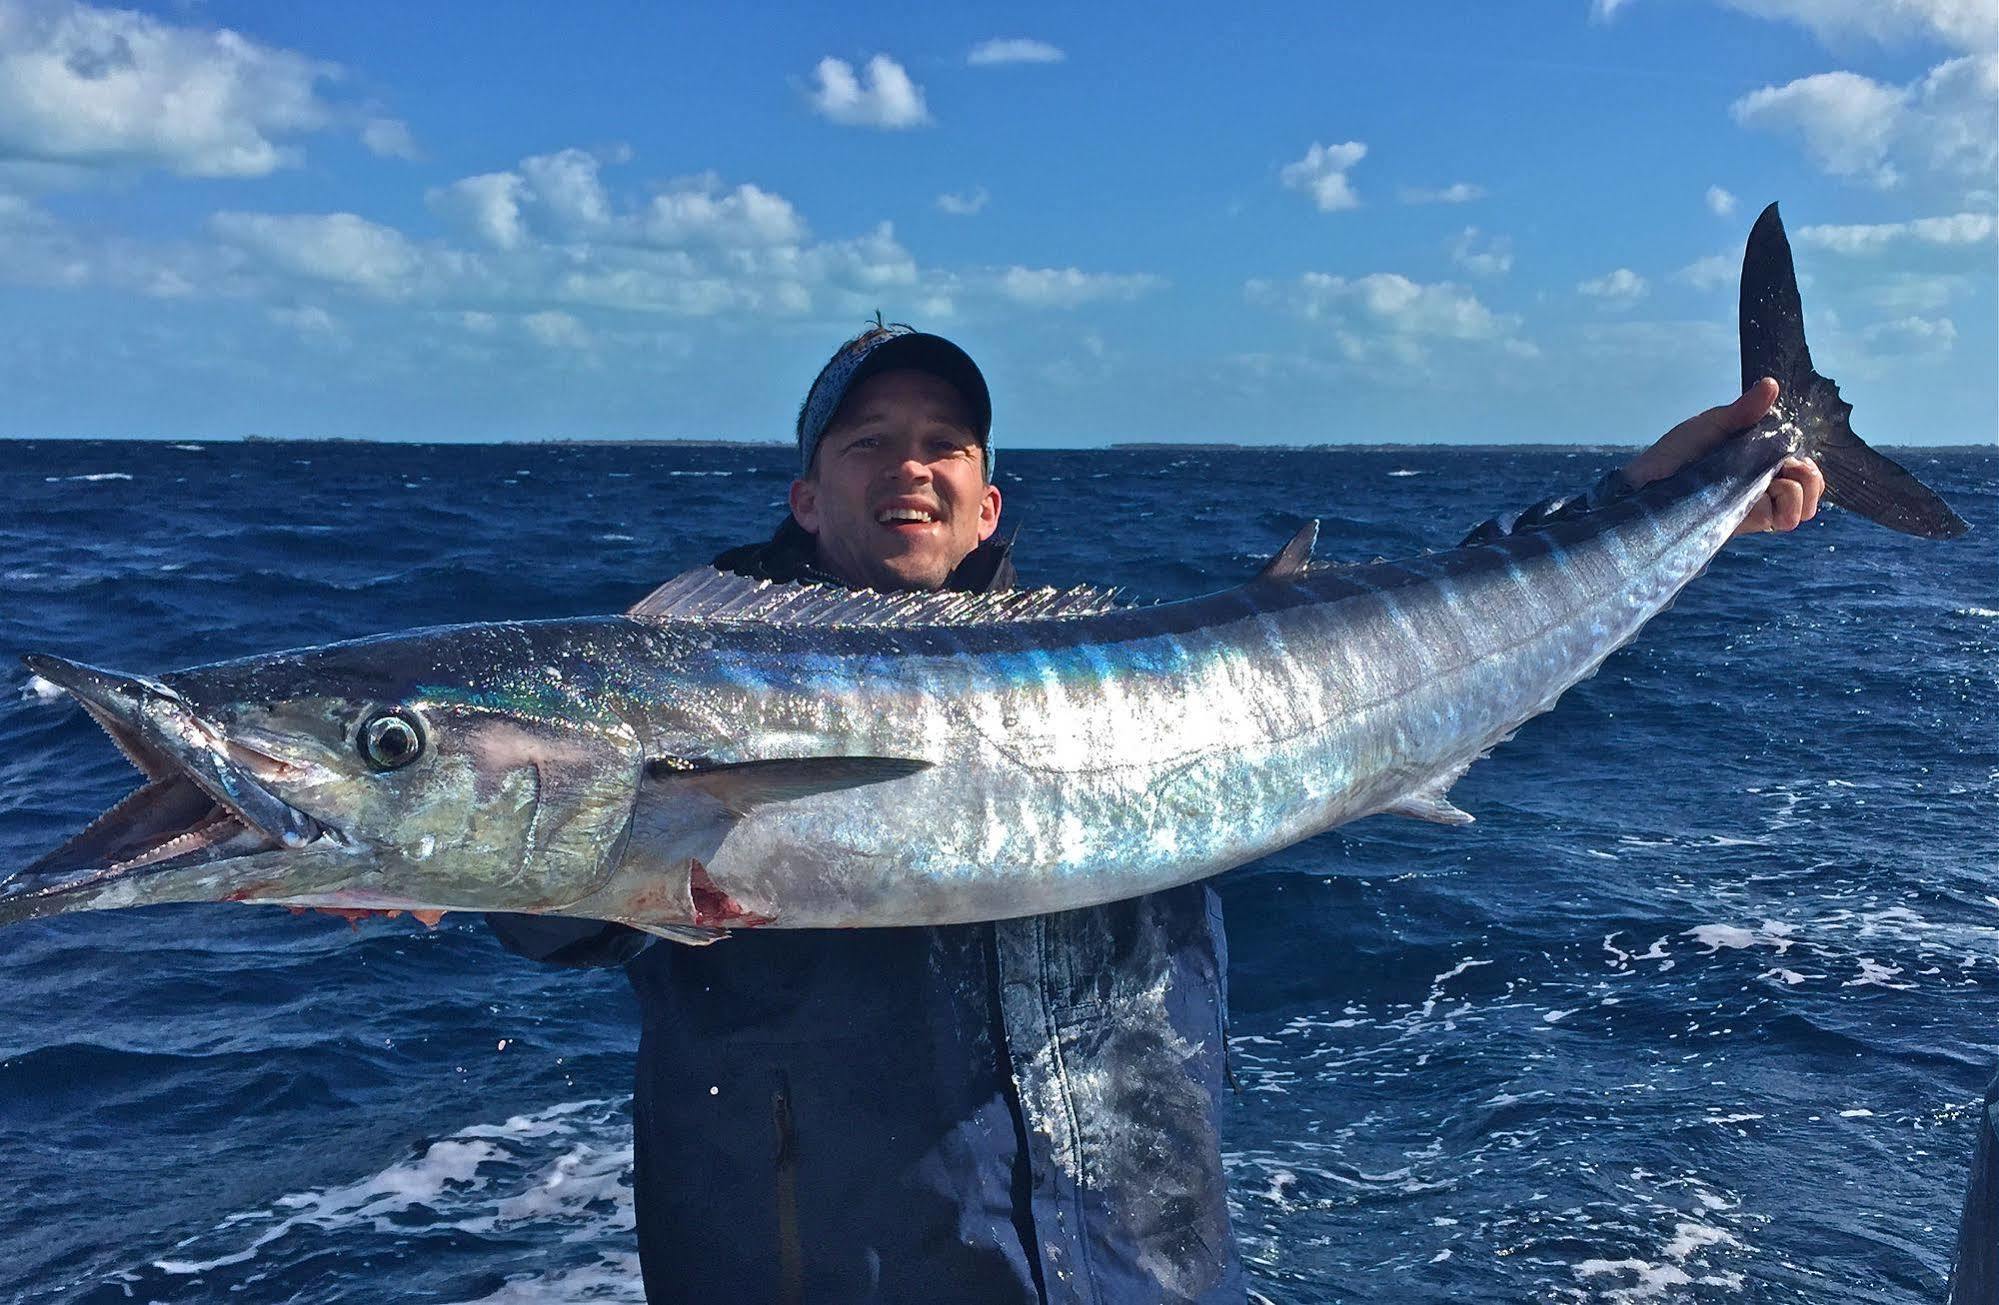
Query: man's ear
point(989, 510)
point(805, 506)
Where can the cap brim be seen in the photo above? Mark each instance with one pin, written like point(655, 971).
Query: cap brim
point(936, 355)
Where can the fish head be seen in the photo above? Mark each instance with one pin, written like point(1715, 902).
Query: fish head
point(409, 773)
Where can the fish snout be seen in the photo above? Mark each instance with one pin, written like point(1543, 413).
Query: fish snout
point(121, 695)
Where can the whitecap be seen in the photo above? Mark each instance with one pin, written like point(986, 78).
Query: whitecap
point(96, 475)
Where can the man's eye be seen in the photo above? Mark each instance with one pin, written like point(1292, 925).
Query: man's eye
point(863, 442)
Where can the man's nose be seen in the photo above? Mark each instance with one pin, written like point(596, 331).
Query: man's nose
point(912, 469)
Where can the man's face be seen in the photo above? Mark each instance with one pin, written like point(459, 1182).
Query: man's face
point(897, 495)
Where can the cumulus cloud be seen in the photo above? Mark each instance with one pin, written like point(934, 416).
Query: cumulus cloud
point(1480, 255)
point(1387, 316)
point(881, 96)
point(1015, 50)
point(562, 197)
point(963, 203)
point(1069, 287)
point(1709, 273)
point(102, 88)
point(1619, 288)
point(336, 248)
point(389, 138)
point(1853, 126)
point(1322, 174)
point(1720, 202)
point(489, 205)
point(1960, 24)
point(1959, 229)
point(702, 209)
point(1912, 335)
point(1460, 192)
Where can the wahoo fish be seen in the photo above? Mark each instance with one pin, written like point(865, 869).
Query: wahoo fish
point(732, 754)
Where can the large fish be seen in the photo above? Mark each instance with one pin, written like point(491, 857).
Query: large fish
point(733, 754)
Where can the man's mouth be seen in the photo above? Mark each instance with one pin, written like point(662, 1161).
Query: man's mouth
point(899, 515)
point(201, 800)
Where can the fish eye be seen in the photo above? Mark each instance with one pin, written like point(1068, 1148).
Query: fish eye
point(391, 741)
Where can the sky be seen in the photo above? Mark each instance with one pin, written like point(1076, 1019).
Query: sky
point(1355, 223)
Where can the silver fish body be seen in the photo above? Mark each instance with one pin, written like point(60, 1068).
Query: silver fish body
point(739, 755)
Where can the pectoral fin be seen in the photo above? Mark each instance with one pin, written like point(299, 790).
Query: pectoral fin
point(743, 785)
point(1431, 805)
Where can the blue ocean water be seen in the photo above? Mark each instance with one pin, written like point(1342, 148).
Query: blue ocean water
point(1698, 1010)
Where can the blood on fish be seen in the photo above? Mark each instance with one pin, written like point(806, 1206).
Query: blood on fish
point(716, 908)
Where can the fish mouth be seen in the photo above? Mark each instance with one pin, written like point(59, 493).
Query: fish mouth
point(201, 800)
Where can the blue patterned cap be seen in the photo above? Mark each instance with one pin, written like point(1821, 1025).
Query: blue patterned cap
point(886, 347)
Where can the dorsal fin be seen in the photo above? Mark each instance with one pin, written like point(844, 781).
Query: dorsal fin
point(1291, 559)
point(706, 594)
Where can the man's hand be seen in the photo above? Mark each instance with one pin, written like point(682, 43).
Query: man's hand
point(1793, 497)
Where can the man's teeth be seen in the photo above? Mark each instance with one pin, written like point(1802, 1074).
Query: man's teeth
point(889, 515)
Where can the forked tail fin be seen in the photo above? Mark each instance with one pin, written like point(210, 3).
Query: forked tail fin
point(1773, 344)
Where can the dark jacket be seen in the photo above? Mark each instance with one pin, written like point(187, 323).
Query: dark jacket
point(1974, 1276)
point(1011, 1112)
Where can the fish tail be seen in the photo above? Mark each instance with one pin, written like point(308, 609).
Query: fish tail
point(1810, 412)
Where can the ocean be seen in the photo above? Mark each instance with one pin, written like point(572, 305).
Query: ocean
point(1700, 1008)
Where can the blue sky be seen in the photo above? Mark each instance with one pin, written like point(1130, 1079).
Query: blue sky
point(1359, 223)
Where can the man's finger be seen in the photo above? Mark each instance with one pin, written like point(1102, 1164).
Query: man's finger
point(1810, 479)
point(1787, 504)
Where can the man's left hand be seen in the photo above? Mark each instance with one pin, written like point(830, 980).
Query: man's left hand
point(1793, 496)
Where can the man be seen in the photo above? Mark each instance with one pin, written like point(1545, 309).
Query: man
point(1011, 1112)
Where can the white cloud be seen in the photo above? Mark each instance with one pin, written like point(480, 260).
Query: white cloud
point(699, 209)
point(1912, 335)
point(389, 138)
point(1619, 288)
point(1385, 316)
point(1068, 287)
point(1322, 174)
point(986, 53)
point(1460, 192)
point(1961, 24)
point(1720, 202)
point(557, 330)
point(1959, 229)
point(1495, 258)
point(1847, 121)
point(489, 205)
point(883, 96)
point(566, 187)
point(1853, 126)
point(337, 248)
point(963, 203)
point(1709, 273)
point(109, 88)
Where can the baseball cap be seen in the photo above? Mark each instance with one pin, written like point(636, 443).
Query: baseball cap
point(887, 347)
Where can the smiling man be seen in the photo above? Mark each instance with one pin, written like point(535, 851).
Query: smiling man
point(1014, 1112)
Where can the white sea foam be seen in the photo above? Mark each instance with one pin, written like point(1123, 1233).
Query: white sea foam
point(562, 1171)
point(37, 687)
point(96, 475)
point(1403, 471)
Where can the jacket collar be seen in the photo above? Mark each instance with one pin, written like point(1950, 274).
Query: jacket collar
point(792, 555)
